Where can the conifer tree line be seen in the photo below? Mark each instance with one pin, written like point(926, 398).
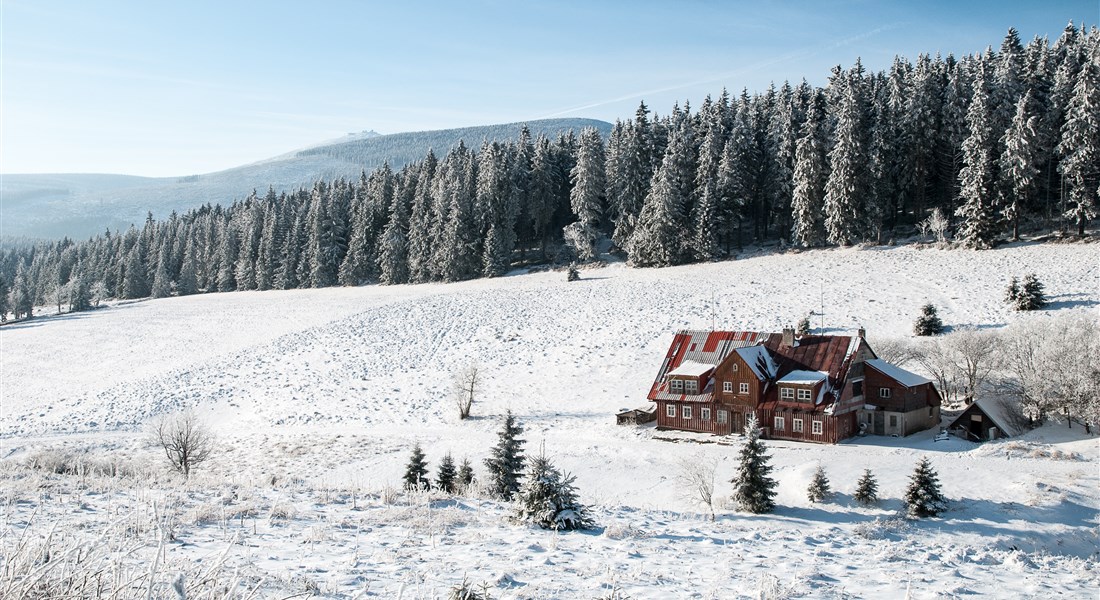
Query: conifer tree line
point(996, 141)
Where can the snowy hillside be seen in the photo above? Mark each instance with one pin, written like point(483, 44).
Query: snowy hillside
point(79, 205)
point(318, 396)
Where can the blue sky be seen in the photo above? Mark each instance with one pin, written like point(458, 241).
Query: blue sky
point(162, 89)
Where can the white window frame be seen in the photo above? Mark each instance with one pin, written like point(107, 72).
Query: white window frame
point(744, 387)
point(727, 387)
point(779, 423)
point(670, 411)
point(691, 386)
point(816, 427)
point(803, 395)
point(704, 413)
point(796, 425)
point(884, 392)
point(723, 416)
point(733, 367)
point(786, 393)
point(685, 412)
point(676, 386)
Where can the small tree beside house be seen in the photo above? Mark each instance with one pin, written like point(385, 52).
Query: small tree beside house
point(866, 489)
point(819, 489)
point(416, 472)
point(928, 323)
point(753, 489)
point(923, 497)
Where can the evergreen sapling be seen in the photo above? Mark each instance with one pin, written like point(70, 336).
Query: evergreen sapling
point(465, 474)
point(866, 489)
point(505, 462)
point(754, 490)
point(548, 499)
point(928, 323)
point(923, 497)
point(819, 488)
point(416, 472)
point(446, 476)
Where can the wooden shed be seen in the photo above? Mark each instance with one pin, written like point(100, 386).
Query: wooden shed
point(637, 416)
point(986, 419)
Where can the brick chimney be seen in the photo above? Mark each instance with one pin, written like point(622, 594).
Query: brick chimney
point(862, 333)
point(788, 336)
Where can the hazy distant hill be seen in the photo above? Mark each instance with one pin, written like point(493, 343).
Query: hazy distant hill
point(79, 205)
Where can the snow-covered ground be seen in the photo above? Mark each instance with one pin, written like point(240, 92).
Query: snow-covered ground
point(318, 396)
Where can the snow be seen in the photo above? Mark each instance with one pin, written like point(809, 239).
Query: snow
point(759, 360)
point(804, 377)
point(318, 396)
point(690, 368)
point(898, 374)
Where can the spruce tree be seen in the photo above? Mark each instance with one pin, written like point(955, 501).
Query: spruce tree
point(548, 498)
point(809, 185)
point(465, 475)
point(846, 186)
point(1018, 163)
point(659, 238)
point(1080, 143)
point(819, 488)
point(162, 286)
point(134, 284)
point(416, 471)
point(923, 497)
point(5, 305)
point(1031, 294)
point(754, 490)
point(866, 489)
point(978, 228)
point(505, 462)
point(587, 197)
point(22, 299)
point(1012, 293)
point(445, 479)
point(928, 323)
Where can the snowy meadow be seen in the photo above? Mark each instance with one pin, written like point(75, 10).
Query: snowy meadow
point(317, 397)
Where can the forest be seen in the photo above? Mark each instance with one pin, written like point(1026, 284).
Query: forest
point(985, 147)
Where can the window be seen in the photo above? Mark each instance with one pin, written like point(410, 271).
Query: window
point(857, 388)
point(786, 393)
point(704, 414)
point(817, 427)
point(685, 412)
point(733, 367)
point(727, 387)
point(796, 425)
point(676, 386)
point(670, 411)
point(723, 416)
point(691, 386)
point(884, 392)
point(744, 388)
point(804, 395)
point(779, 423)
point(893, 420)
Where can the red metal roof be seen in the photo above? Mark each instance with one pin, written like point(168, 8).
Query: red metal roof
point(708, 347)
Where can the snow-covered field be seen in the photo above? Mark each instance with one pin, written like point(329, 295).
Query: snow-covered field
point(318, 396)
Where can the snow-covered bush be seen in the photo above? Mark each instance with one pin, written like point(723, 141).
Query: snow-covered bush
point(548, 499)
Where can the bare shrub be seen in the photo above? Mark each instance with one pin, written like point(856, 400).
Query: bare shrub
point(467, 386)
point(695, 479)
point(186, 440)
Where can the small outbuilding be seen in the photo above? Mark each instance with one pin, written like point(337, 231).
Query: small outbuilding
point(637, 416)
point(986, 419)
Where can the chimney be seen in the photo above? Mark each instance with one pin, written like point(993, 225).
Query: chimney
point(788, 336)
point(862, 333)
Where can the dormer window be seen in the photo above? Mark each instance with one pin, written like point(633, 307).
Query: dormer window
point(786, 393)
point(803, 395)
point(676, 386)
point(691, 386)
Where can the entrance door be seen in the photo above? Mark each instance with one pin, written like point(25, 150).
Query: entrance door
point(737, 423)
point(880, 423)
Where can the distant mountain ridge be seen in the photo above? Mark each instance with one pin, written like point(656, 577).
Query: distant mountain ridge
point(80, 205)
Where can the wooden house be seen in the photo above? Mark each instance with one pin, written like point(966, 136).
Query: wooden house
point(898, 402)
point(986, 419)
point(805, 388)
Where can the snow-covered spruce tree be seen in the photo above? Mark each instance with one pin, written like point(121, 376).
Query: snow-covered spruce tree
point(819, 488)
point(465, 476)
point(548, 499)
point(809, 184)
point(1080, 143)
point(497, 207)
point(928, 323)
point(446, 477)
point(416, 471)
point(587, 196)
point(1012, 293)
point(706, 221)
point(505, 462)
point(4, 300)
point(978, 228)
point(22, 299)
point(845, 186)
point(573, 274)
point(1018, 170)
point(1031, 294)
point(866, 489)
point(753, 489)
point(162, 285)
point(659, 237)
point(923, 497)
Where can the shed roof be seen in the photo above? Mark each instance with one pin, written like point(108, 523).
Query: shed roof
point(898, 374)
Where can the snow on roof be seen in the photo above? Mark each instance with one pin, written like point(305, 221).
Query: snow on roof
point(759, 359)
point(805, 377)
point(897, 373)
point(998, 411)
point(690, 368)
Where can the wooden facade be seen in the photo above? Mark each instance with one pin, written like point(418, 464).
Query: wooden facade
point(808, 388)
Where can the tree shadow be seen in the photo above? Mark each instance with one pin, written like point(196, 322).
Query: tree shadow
point(41, 320)
point(1067, 301)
